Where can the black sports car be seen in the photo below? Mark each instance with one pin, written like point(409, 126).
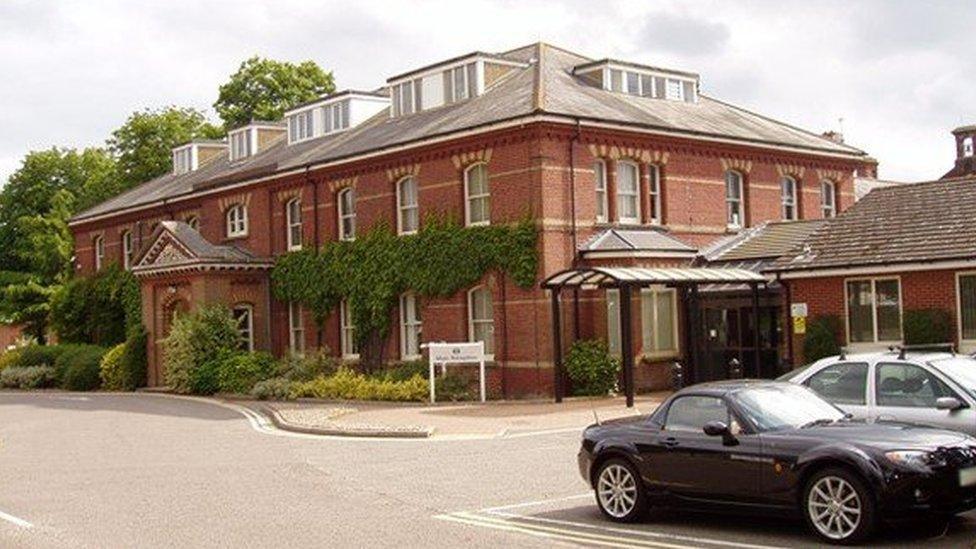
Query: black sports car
point(768, 446)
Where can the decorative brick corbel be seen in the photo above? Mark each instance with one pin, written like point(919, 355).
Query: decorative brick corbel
point(398, 173)
point(737, 164)
point(466, 159)
point(339, 184)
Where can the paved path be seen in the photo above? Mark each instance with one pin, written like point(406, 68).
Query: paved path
point(148, 471)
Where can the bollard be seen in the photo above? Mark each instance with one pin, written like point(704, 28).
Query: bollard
point(735, 369)
point(677, 376)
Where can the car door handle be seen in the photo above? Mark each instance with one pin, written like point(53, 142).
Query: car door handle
point(670, 442)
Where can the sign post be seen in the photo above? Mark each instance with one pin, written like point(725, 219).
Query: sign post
point(457, 353)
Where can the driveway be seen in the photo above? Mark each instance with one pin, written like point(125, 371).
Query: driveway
point(104, 470)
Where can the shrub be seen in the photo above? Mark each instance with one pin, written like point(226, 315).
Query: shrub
point(78, 368)
point(276, 388)
point(313, 364)
point(195, 339)
point(205, 378)
point(9, 358)
point(927, 326)
point(135, 363)
point(114, 377)
point(31, 377)
point(453, 387)
point(821, 338)
point(406, 370)
point(591, 368)
point(97, 309)
point(239, 373)
point(40, 355)
point(349, 385)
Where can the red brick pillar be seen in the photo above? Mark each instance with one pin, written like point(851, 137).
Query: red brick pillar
point(645, 193)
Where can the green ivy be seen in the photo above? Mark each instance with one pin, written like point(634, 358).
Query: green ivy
point(372, 271)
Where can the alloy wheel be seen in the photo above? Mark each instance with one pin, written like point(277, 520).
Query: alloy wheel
point(834, 507)
point(617, 490)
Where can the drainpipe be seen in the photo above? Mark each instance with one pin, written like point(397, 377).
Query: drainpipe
point(572, 200)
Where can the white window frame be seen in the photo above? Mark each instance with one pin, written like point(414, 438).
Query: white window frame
point(635, 195)
point(241, 144)
point(236, 217)
point(874, 311)
point(788, 198)
point(739, 202)
point(296, 328)
point(410, 327)
point(600, 185)
point(99, 248)
point(654, 191)
point(301, 126)
point(647, 325)
point(402, 208)
point(472, 321)
point(967, 146)
point(828, 209)
point(346, 215)
point(468, 197)
point(293, 224)
point(965, 345)
point(347, 333)
point(247, 331)
point(127, 249)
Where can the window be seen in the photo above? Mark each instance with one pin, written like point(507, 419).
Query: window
point(733, 199)
point(408, 214)
point(828, 199)
point(237, 221)
point(844, 383)
point(659, 313)
point(674, 90)
point(616, 80)
point(347, 214)
point(654, 189)
point(460, 83)
point(788, 197)
point(127, 250)
point(410, 327)
point(301, 126)
point(293, 220)
point(633, 83)
point(477, 197)
point(194, 222)
point(481, 318)
point(296, 328)
point(908, 386)
point(183, 160)
point(967, 146)
point(873, 310)
point(600, 177)
point(613, 321)
point(691, 413)
point(240, 145)
point(647, 85)
point(348, 332)
point(244, 316)
point(99, 246)
point(967, 306)
point(628, 194)
point(336, 116)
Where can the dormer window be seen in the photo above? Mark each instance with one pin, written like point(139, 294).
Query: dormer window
point(449, 82)
point(199, 152)
point(333, 113)
point(640, 80)
point(183, 160)
point(240, 144)
point(967, 146)
point(336, 117)
point(301, 126)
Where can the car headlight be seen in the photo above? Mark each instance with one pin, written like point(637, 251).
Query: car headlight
point(910, 458)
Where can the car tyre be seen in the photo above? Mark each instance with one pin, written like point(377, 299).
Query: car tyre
point(619, 491)
point(839, 507)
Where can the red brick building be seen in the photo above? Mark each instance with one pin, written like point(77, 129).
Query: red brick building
point(582, 146)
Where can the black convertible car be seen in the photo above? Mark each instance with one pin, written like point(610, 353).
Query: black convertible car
point(767, 446)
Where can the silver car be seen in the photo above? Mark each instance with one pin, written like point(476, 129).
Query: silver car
point(927, 388)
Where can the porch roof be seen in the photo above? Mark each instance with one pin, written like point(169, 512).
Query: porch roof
point(639, 276)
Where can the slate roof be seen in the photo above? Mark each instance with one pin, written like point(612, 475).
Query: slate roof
point(646, 240)
point(200, 250)
point(915, 222)
point(545, 86)
point(769, 241)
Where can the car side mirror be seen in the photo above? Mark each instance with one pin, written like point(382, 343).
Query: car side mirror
point(720, 429)
point(948, 403)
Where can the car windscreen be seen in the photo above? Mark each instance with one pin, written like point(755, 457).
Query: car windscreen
point(959, 369)
point(794, 372)
point(776, 407)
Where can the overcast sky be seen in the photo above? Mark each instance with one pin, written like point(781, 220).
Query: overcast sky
point(900, 74)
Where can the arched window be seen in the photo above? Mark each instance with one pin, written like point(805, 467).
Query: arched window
point(244, 316)
point(237, 221)
point(99, 246)
point(408, 212)
point(735, 212)
point(477, 197)
point(293, 220)
point(194, 222)
point(600, 182)
point(347, 214)
point(828, 198)
point(410, 327)
point(127, 250)
point(654, 190)
point(349, 348)
point(787, 187)
point(481, 318)
point(628, 192)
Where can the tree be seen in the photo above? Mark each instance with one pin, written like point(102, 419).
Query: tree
point(143, 145)
point(263, 89)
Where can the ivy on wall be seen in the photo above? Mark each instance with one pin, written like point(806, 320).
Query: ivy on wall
point(371, 272)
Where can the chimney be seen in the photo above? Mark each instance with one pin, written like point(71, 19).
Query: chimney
point(965, 159)
point(836, 137)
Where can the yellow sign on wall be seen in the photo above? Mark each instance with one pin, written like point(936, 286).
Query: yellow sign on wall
point(799, 324)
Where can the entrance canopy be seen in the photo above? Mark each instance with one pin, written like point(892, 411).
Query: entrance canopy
point(614, 277)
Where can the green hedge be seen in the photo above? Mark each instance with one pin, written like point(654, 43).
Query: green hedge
point(111, 369)
point(100, 309)
point(39, 355)
point(30, 377)
point(135, 362)
point(927, 326)
point(199, 340)
point(591, 368)
point(349, 385)
point(821, 340)
point(239, 373)
point(78, 368)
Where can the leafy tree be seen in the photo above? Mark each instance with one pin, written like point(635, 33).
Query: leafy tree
point(100, 309)
point(143, 145)
point(263, 89)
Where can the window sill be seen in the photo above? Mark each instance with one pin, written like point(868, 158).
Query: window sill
point(235, 236)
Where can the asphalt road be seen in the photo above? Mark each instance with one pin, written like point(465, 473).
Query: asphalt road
point(151, 471)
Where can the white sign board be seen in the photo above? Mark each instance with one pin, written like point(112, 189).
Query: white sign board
point(457, 353)
point(798, 309)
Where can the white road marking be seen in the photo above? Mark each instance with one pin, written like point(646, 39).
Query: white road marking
point(554, 533)
point(15, 521)
point(534, 503)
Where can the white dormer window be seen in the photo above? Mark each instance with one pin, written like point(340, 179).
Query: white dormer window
point(241, 144)
point(301, 126)
point(632, 79)
point(183, 160)
point(446, 83)
point(967, 146)
point(336, 116)
point(237, 221)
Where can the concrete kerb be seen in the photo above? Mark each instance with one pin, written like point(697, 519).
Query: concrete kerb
point(350, 431)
